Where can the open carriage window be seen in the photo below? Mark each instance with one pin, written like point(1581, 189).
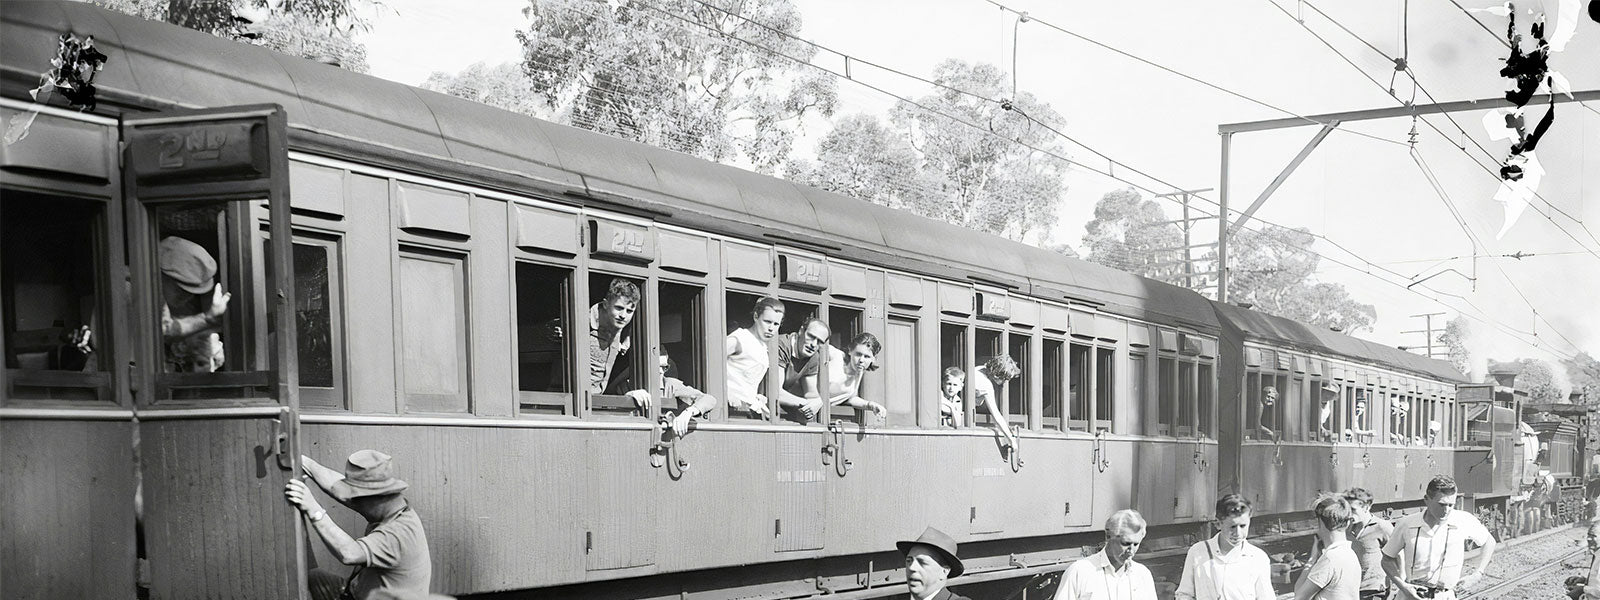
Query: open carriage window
point(205, 310)
point(612, 329)
point(56, 334)
point(544, 308)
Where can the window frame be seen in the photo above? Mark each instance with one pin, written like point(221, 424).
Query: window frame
point(337, 397)
point(460, 260)
point(566, 400)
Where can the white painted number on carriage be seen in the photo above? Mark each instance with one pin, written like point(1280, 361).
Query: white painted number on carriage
point(203, 144)
point(624, 241)
point(807, 272)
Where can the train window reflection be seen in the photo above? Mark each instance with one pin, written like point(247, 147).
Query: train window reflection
point(1054, 376)
point(1105, 387)
point(543, 322)
point(1018, 390)
point(1078, 387)
point(616, 355)
point(54, 333)
point(318, 314)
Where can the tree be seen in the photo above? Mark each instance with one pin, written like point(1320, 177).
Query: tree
point(986, 179)
point(503, 86)
point(1456, 333)
point(712, 78)
point(303, 36)
point(862, 158)
point(1273, 268)
point(1131, 233)
point(227, 17)
point(1536, 377)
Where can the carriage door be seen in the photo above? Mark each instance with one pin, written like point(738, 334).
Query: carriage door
point(214, 381)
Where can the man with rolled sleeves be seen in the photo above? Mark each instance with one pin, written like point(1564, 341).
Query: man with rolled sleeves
point(392, 555)
point(1426, 554)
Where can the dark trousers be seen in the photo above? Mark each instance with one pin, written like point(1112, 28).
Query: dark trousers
point(1374, 594)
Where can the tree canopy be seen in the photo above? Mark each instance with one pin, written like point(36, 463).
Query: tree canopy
point(930, 159)
point(674, 73)
point(1274, 269)
point(226, 17)
point(1132, 233)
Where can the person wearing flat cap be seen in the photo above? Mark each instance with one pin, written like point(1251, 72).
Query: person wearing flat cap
point(192, 306)
point(931, 561)
point(392, 556)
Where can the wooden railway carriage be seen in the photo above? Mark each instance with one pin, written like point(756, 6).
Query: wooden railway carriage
point(422, 289)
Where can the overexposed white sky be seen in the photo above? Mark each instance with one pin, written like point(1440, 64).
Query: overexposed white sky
point(1368, 196)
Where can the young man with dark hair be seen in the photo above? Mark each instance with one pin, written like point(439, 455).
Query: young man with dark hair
point(609, 337)
point(1226, 566)
point(1426, 554)
point(1367, 534)
point(1335, 574)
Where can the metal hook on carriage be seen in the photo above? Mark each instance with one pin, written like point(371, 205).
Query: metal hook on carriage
point(1014, 454)
point(664, 452)
point(1100, 459)
point(834, 449)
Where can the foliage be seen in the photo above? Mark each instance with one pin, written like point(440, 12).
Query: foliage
point(1537, 378)
point(225, 17)
point(303, 36)
point(502, 86)
point(1273, 269)
point(1133, 234)
point(1456, 333)
point(937, 167)
point(1583, 371)
point(670, 73)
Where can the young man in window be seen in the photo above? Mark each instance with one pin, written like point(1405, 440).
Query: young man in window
point(192, 305)
point(1226, 566)
point(747, 355)
point(684, 398)
point(800, 357)
point(609, 337)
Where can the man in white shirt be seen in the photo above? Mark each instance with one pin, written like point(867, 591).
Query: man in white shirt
point(1335, 574)
point(1111, 574)
point(1226, 566)
point(1426, 554)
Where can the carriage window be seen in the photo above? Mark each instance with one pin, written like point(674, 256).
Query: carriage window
point(318, 313)
point(1186, 399)
point(432, 331)
point(1323, 429)
point(1105, 386)
point(987, 344)
point(680, 333)
point(953, 354)
point(544, 307)
point(1295, 396)
point(56, 342)
point(1078, 387)
point(747, 365)
point(1054, 376)
point(793, 366)
point(205, 274)
point(1252, 412)
point(1399, 410)
point(1017, 392)
point(1207, 411)
point(612, 337)
point(844, 323)
point(901, 380)
point(1138, 390)
point(1166, 394)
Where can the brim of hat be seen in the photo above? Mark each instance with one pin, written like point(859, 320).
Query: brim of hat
point(956, 569)
point(196, 288)
point(342, 490)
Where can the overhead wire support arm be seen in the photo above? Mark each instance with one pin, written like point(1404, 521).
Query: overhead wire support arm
point(1327, 128)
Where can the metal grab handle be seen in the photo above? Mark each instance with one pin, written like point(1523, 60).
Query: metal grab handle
point(1100, 460)
point(664, 452)
point(1014, 455)
point(833, 451)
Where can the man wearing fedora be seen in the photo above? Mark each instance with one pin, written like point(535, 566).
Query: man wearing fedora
point(392, 556)
point(930, 561)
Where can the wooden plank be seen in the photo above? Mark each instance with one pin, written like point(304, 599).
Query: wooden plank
point(218, 525)
point(67, 509)
point(800, 491)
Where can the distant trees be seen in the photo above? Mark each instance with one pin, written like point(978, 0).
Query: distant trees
point(503, 86)
point(1274, 268)
point(315, 29)
point(986, 178)
point(1132, 233)
point(668, 73)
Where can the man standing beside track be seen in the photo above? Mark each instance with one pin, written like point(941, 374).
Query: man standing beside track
point(1112, 574)
point(1426, 554)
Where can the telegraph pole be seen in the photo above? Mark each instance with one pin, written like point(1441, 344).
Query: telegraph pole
point(1427, 330)
point(1188, 243)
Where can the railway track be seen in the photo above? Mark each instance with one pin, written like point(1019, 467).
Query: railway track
point(1533, 568)
point(1507, 585)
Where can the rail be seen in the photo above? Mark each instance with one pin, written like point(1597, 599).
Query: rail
point(1499, 588)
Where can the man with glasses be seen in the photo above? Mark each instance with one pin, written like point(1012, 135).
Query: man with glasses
point(1427, 553)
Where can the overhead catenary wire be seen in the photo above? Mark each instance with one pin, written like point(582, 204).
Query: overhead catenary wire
point(1065, 160)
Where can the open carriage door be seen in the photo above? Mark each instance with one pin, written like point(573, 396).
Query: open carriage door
point(215, 385)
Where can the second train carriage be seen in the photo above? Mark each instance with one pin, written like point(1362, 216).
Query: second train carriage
point(437, 243)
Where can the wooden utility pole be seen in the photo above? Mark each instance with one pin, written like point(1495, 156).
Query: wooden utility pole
point(1428, 331)
point(1188, 226)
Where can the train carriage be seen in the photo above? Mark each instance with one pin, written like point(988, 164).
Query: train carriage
point(413, 272)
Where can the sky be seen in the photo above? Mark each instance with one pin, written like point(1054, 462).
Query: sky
point(1369, 199)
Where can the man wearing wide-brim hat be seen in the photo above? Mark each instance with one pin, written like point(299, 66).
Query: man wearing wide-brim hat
point(931, 561)
point(393, 553)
